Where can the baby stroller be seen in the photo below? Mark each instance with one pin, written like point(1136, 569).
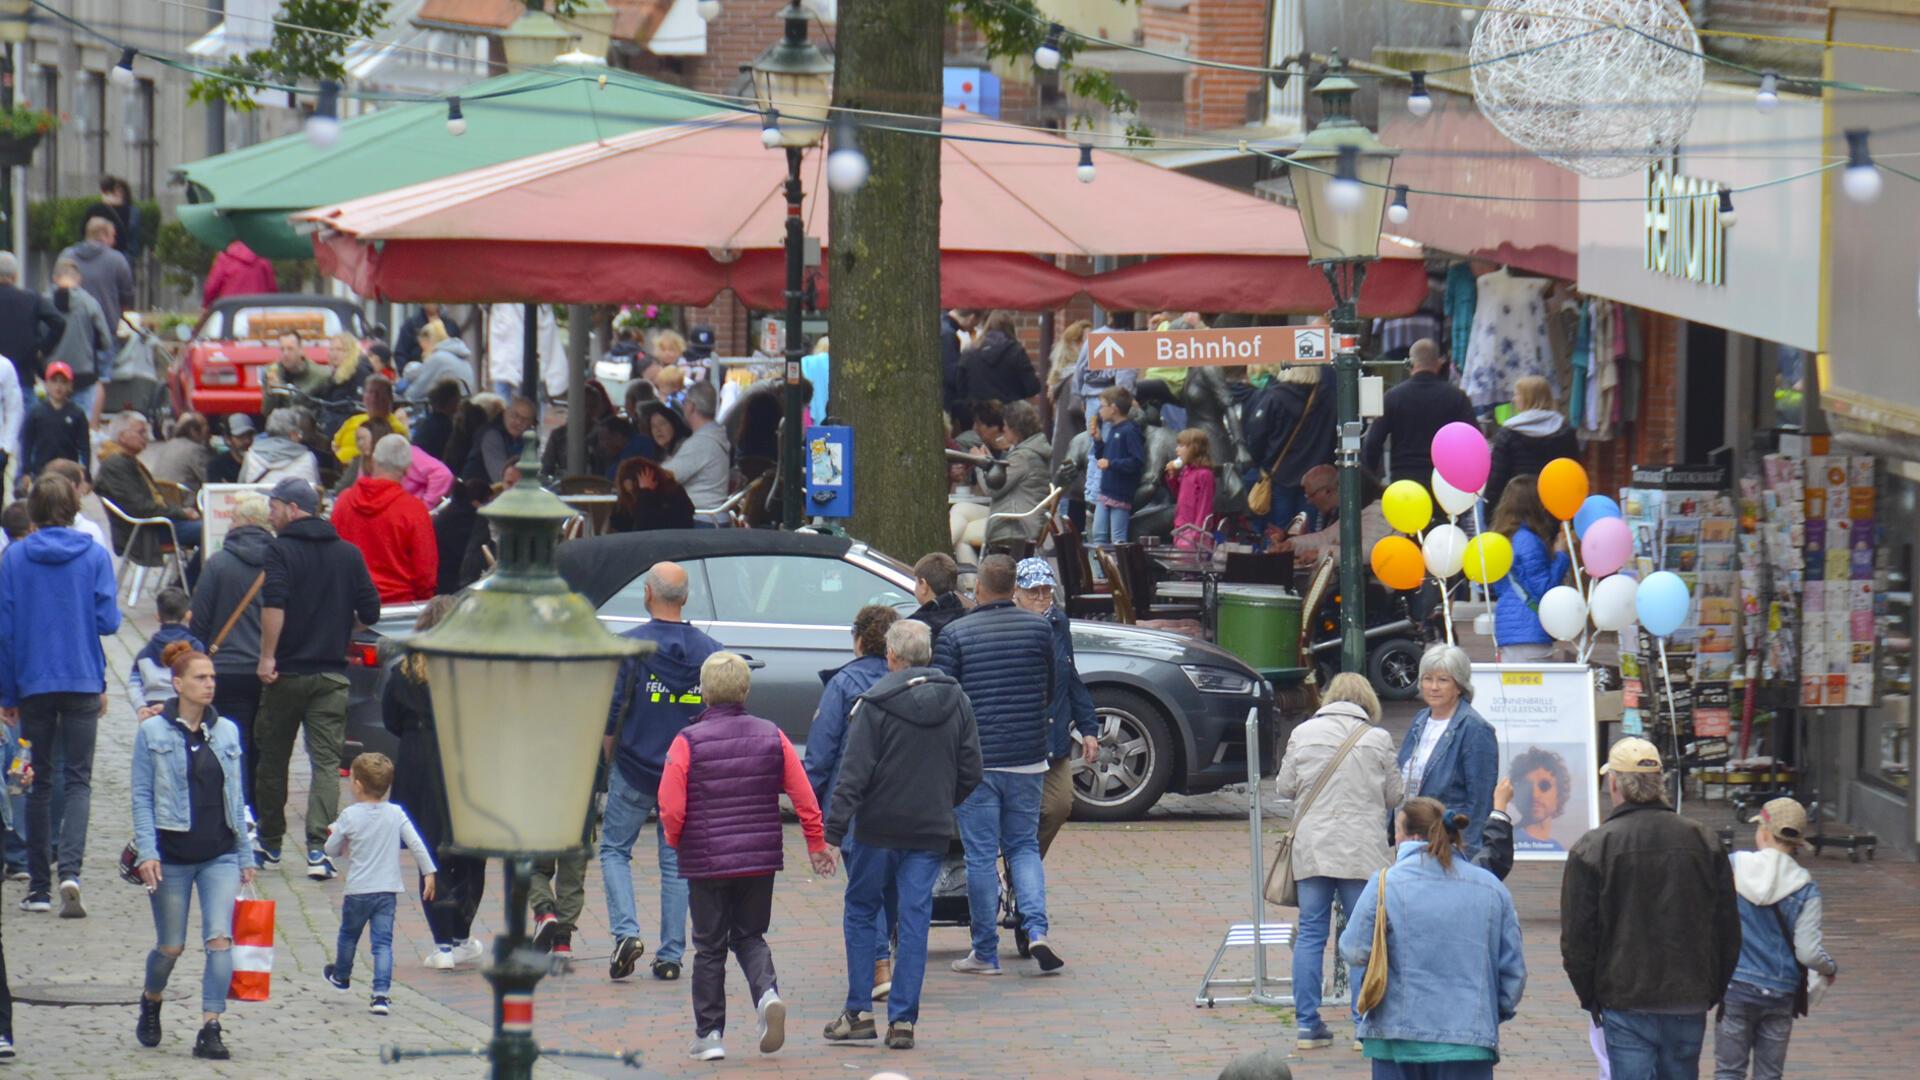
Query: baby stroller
point(137, 380)
point(1399, 627)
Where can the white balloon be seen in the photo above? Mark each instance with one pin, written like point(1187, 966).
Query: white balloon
point(1563, 614)
point(1452, 499)
point(1613, 602)
point(1444, 549)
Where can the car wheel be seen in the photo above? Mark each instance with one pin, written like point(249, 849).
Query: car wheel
point(1394, 669)
point(1136, 759)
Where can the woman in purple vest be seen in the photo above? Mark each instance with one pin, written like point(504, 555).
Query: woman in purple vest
point(720, 807)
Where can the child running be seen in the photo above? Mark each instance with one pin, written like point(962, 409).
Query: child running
point(370, 833)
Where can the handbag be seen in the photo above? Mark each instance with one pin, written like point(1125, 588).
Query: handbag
point(1281, 888)
point(1373, 987)
point(252, 948)
point(253, 590)
point(1260, 495)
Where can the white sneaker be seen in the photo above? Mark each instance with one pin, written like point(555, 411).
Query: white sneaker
point(707, 1048)
point(70, 906)
point(973, 965)
point(468, 951)
point(773, 1021)
point(440, 959)
point(6, 1048)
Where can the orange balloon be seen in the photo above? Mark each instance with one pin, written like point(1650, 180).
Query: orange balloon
point(1563, 487)
point(1398, 564)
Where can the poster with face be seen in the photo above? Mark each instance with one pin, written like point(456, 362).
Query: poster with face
point(1542, 716)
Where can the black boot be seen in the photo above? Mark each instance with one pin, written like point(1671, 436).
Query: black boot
point(208, 1045)
point(148, 1029)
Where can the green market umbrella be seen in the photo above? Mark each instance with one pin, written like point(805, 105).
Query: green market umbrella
point(248, 194)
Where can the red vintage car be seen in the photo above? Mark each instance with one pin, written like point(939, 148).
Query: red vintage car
point(221, 364)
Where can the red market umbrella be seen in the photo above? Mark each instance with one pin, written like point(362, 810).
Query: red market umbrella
point(678, 214)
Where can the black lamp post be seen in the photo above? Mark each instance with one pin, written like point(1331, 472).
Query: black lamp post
point(793, 86)
point(1342, 191)
point(520, 670)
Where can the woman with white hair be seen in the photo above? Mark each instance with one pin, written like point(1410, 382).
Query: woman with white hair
point(279, 453)
point(1450, 752)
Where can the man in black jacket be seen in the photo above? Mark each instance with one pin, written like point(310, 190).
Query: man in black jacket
point(1412, 412)
point(30, 328)
point(317, 590)
point(1649, 922)
point(910, 735)
point(952, 323)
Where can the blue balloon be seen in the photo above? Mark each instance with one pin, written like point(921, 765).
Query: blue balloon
point(1662, 602)
point(1595, 508)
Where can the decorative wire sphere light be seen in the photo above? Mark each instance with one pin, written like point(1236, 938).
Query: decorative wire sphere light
point(1620, 93)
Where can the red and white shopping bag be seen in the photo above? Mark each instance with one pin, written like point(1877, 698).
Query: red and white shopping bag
point(252, 948)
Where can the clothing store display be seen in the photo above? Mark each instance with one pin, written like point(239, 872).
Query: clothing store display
point(1509, 340)
point(1461, 295)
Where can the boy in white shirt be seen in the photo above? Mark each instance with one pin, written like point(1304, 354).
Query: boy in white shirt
point(370, 833)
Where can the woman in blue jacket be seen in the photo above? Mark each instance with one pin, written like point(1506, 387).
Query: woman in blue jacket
point(1540, 561)
point(1456, 970)
point(1450, 753)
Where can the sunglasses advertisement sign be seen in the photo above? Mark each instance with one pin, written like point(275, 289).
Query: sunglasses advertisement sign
point(1542, 715)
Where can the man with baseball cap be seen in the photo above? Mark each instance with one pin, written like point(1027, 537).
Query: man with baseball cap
point(1649, 928)
point(1072, 720)
point(56, 427)
point(225, 469)
point(1779, 944)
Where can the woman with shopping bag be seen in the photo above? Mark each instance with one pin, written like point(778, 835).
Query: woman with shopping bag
point(1434, 947)
point(190, 832)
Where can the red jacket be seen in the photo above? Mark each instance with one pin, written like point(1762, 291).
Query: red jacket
point(394, 534)
point(237, 271)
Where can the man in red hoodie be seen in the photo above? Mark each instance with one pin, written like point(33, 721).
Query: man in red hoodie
point(390, 527)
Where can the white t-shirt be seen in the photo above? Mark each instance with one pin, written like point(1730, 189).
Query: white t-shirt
point(1429, 738)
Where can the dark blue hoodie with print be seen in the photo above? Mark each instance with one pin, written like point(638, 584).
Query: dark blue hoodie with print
point(655, 697)
point(56, 602)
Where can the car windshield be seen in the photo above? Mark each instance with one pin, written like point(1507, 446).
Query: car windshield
point(268, 323)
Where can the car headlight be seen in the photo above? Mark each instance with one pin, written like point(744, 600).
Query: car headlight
point(1213, 680)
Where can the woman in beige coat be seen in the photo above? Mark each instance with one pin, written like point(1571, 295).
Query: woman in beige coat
point(1338, 844)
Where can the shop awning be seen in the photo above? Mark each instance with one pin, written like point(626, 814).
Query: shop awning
point(249, 193)
point(700, 210)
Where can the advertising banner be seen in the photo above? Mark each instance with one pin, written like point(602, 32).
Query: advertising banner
point(1542, 715)
point(216, 509)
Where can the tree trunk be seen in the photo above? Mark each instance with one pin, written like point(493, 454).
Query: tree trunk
point(884, 243)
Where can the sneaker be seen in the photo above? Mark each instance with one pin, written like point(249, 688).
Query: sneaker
point(545, 926)
point(264, 856)
point(882, 979)
point(1050, 961)
point(1359, 1047)
point(18, 873)
point(381, 1005)
point(900, 1035)
point(850, 1025)
point(560, 958)
point(208, 1045)
point(1315, 1038)
point(36, 902)
point(336, 981)
point(70, 905)
point(973, 965)
point(666, 970)
point(6, 1048)
point(440, 959)
point(626, 954)
point(773, 1021)
point(148, 1029)
point(707, 1048)
point(319, 867)
point(468, 952)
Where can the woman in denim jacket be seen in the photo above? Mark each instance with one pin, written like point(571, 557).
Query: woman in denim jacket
point(1450, 752)
point(190, 828)
point(1455, 971)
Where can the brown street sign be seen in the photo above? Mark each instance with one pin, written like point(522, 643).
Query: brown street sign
point(1195, 348)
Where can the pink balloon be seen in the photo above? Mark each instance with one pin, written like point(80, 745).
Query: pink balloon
point(1460, 454)
point(1606, 547)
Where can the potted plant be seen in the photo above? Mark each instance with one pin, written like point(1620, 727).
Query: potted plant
point(20, 131)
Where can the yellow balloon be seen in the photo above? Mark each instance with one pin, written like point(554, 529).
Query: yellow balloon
point(1407, 506)
point(1398, 564)
point(1489, 557)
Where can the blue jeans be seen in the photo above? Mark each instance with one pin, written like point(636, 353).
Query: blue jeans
point(219, 882)
point(889, 901)
point(1110, 524)
point(1433, 1070)
point(1654, 1046)
point(627, 808)
point(1310, 944)
point(872, 873)
point(1003, 815)
point(357, 911)
point(48, 772)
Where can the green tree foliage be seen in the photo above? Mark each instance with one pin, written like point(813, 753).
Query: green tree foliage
point(310, 41)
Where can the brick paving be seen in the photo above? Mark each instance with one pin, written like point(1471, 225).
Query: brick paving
point(1136, 909)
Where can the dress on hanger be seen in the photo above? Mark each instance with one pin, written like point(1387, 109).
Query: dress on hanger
point(1509, 339)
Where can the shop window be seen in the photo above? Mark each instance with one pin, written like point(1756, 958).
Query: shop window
point(1886, 745)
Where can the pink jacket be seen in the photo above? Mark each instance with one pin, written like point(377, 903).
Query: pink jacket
point(427, 479)
point(237, 271)
point(1195, 502)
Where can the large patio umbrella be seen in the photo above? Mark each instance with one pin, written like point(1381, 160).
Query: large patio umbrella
point(678, 214)
point(249, 193)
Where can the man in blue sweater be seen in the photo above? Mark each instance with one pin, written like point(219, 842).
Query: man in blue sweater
point(655, 697)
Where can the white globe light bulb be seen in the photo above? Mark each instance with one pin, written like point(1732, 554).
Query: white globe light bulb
point(1084, 172)
point(457, 126)
point(1862, 183)
point(322, 131)
point(770, 137)
point(121, 76)
point(1766, 101)
point(846, 170)
point(1398, 213)
point(709, 10)
point(1346, 195)
point(1046, 58)
point(1419, 104)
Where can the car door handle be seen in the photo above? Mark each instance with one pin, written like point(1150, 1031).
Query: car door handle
point(752, 664)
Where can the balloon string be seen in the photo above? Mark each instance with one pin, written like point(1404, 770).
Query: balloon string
point(1673, 724)
point(1581, 585)
point(1480, 530)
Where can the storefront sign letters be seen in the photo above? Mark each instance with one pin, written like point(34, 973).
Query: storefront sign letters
point(1684, 235)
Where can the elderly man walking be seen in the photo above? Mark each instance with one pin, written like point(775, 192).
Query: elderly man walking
point(391, 528)
point(317, 586)
point(911, 744)
point(1003, 657)
point(1074, 729)
point(1649, 923)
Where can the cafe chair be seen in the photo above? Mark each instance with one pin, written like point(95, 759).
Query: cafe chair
point(152, 544)
point(1077, 594)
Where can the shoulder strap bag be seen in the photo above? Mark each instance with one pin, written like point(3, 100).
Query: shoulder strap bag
point(1373, 986)
point(246, 601)
point(1800, 992)
point(1281, 888)
point(1260, 496)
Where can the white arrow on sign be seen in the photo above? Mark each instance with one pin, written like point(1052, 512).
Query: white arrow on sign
point(1106, 349)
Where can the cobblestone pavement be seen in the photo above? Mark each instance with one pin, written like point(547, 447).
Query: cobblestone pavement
point(1136, 909)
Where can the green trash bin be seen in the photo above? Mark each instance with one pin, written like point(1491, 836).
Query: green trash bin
point(1260, 624)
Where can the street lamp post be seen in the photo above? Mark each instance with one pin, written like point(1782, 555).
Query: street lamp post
point(793, 86)
point(1341, 181)
point(520, 670)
